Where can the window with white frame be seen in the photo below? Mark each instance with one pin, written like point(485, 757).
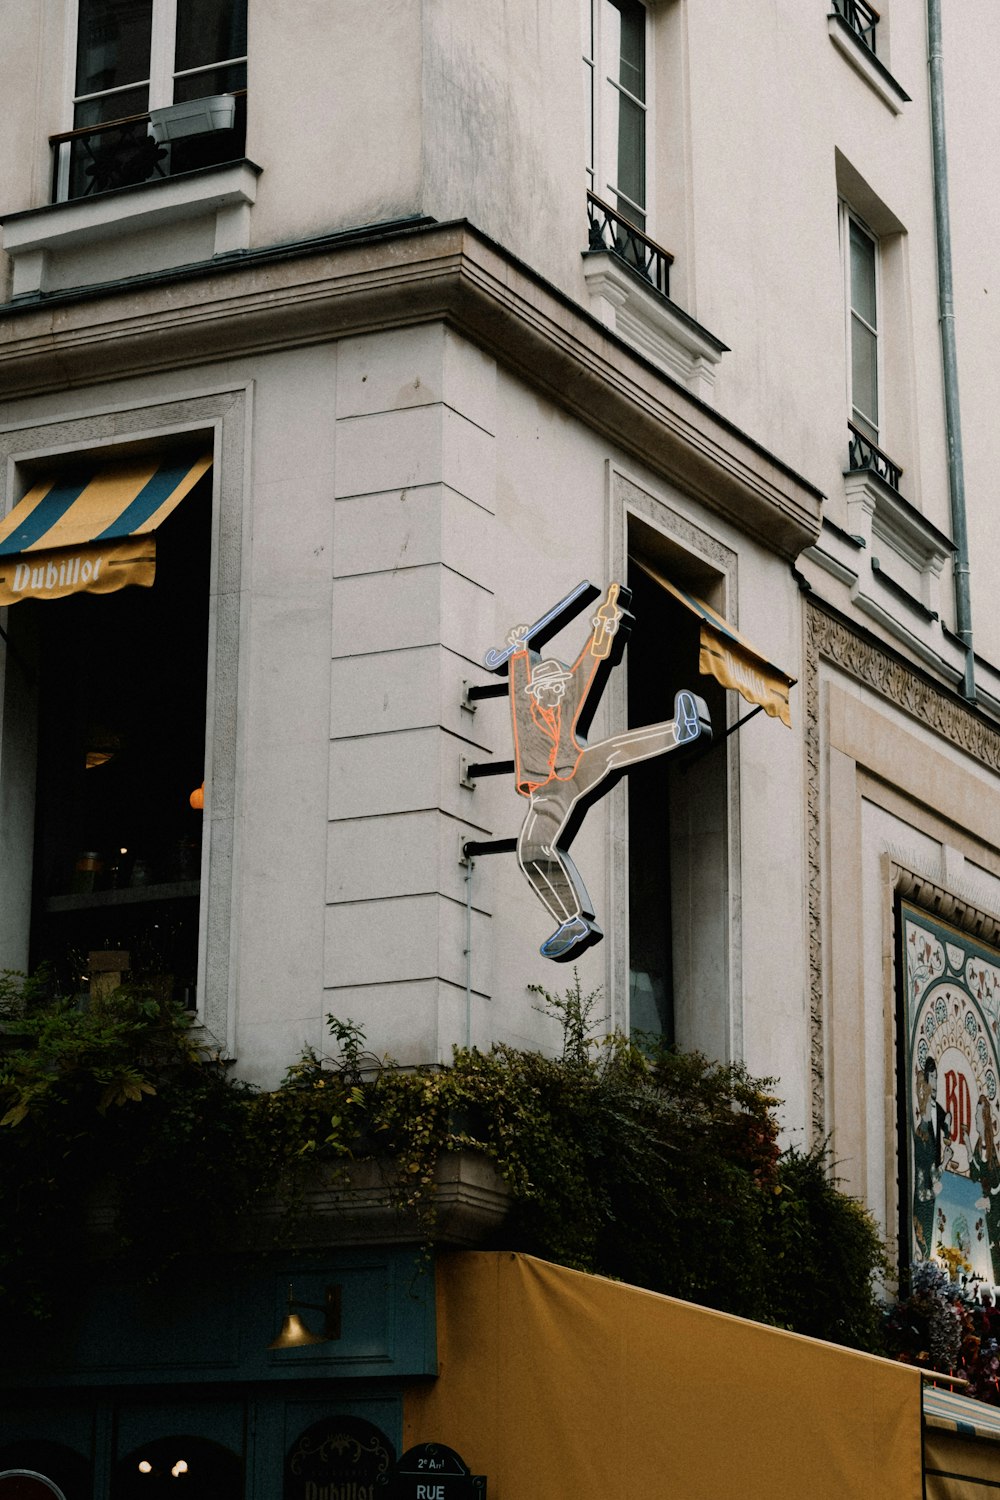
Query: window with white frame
point(678, 939)
point(115, 689)
point(137, 56)
point(616, 92)
point(192, 687)
point(861, 261)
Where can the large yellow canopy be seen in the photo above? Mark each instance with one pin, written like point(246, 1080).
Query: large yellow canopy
point(561, 1386)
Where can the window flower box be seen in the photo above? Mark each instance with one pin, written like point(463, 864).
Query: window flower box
point(193, 117)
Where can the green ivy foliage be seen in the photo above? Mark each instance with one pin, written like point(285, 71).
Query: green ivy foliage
point(641, 1163)
point(119, 1138)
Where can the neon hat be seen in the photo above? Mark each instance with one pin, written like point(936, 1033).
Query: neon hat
point(548, 670)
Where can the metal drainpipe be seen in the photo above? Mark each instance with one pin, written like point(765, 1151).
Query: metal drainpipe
point(949, 357)
point(469, 865)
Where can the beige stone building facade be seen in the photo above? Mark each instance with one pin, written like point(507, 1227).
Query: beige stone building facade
point(436, 400)
point(468, 303)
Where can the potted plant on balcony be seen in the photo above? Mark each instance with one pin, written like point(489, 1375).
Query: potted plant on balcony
point(193, 117)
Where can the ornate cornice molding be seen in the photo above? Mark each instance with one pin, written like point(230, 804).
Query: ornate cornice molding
point(817, 1040)
point(829, 638)
point(872, 664)
point(439, 272)
point(960, 911)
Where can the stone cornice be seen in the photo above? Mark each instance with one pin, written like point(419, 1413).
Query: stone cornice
point(960, 911)
point(936, 708)
point(829, 638)
point(447, 272)
point(359, 1205)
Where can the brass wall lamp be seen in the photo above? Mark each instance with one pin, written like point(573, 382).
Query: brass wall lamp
point(294, 1333)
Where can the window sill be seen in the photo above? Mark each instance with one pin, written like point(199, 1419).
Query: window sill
point(176, 890)
point(907, 620)
point(865, 63)
point(651, 322)
point(128, 230)
point(838, 553)
point(894, 598)
point(914, 551)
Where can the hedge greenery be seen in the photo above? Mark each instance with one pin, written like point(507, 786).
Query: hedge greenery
point(641, 1163)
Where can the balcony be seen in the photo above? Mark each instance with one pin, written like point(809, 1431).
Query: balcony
point(121, 153)
point(852, 26)
point(861, 18)
point(906, 553)
point(627, 276)
point(610, 231)
point(863, 454)
point(135, 195)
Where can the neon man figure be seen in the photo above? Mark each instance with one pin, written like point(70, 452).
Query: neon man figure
point(561, 775)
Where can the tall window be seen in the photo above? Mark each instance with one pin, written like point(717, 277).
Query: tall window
point(615, 72)
point(136, 55)
point(120, 683)
point(863, 330)
point(650, 700)
point(678, 932)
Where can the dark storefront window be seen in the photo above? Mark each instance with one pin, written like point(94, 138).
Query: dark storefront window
point(191, 1466)
point(121, 694)
point(676, 804)
point(39, 1470)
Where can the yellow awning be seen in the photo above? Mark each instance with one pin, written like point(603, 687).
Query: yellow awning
point(557, 1384)
point(729, 657)
point(91, 531)
point(961, 1446)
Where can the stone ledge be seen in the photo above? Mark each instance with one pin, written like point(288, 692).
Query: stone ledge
point(878, 514)
point(656, 326)
point(470, 1204)
point(40, 241)
point(439, 272)
point(866, 64)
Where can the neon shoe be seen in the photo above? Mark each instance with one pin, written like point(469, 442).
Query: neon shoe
point(570, 938)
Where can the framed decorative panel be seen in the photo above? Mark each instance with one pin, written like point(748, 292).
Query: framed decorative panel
point(949, 1016)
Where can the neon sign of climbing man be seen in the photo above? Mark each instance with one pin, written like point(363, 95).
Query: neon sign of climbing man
point(561, 775)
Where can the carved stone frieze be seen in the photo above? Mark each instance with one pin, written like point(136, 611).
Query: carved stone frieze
point(817, 1071)
point(667, 519)
point(933, 898)
point(934, 706)
point(831, 639)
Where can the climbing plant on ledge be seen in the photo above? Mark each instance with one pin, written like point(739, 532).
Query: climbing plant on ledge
point(121, 1138)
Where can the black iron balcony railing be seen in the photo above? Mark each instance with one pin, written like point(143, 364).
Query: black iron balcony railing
point(610, 231)
point(122, 153)
point(863, 454)
point(94, 158)
point(860, 17)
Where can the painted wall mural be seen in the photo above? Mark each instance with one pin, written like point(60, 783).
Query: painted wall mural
point(951, 1018)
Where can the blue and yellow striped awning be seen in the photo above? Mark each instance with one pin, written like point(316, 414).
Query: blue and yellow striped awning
point(952, 1412)
point(91, 531)
point(961, 1446)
